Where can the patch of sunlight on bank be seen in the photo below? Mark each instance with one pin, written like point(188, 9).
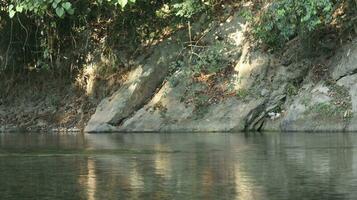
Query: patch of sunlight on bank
point(87, 78)
point(237, 37)
point(249, 66)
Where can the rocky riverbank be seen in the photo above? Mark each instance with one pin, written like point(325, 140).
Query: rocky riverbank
point(237, 88)
point(258, 91)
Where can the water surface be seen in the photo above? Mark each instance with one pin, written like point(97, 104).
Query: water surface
point(178, 166)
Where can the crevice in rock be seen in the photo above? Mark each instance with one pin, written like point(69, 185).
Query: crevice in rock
point(256, 118)
point(348, 74)
point(138, 107)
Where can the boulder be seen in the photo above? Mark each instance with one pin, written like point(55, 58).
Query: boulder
point(140, 86)
point(164, 108)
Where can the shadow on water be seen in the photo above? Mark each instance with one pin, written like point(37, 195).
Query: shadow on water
point(178, 166)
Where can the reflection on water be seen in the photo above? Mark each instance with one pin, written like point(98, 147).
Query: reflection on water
point(178, 166)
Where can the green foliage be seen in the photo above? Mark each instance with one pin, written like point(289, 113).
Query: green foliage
point(122, 3)
point(291, 89)
point(181, 8)
point(242, 93)
point(247, 15)
point(325, 109)
point(45, 29)
point(40, 31)
point(188, 8)
point(209, 61)
point(59, 7)
point(285, 19)
point(340, 96)
point(339, 106)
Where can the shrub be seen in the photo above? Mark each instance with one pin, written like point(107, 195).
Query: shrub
point(284, 19)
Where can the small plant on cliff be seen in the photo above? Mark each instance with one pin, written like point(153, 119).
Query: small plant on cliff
point(209, 61)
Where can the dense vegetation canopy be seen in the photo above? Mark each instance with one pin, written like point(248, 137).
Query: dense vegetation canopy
point(50, 34)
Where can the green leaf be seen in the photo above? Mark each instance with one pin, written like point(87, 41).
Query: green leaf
point(19, 8)
point(67, 5)
point(70, 11)
point(12, 13)
point(60, 11)
point(54, 5)
point(123, 3)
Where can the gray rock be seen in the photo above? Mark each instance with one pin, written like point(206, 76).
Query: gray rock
point(166, 112)
point(41, 123)
point(345, 62)
point(352, 126)
point(73, 130)
point(124, 110)
point(165, 107)
point(311, 111)
point(264, 92)
point(309, 106)
point(350, 82)
point(139, 87)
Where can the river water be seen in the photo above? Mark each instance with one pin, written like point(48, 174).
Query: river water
point(178, 166)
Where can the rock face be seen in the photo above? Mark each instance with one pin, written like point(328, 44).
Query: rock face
point(166, 112)
point(345, 62)
point(350, 82)
point(125, 110)
point(139, 87)
point(313, 110)
point(330, 105)
point(269, 95)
